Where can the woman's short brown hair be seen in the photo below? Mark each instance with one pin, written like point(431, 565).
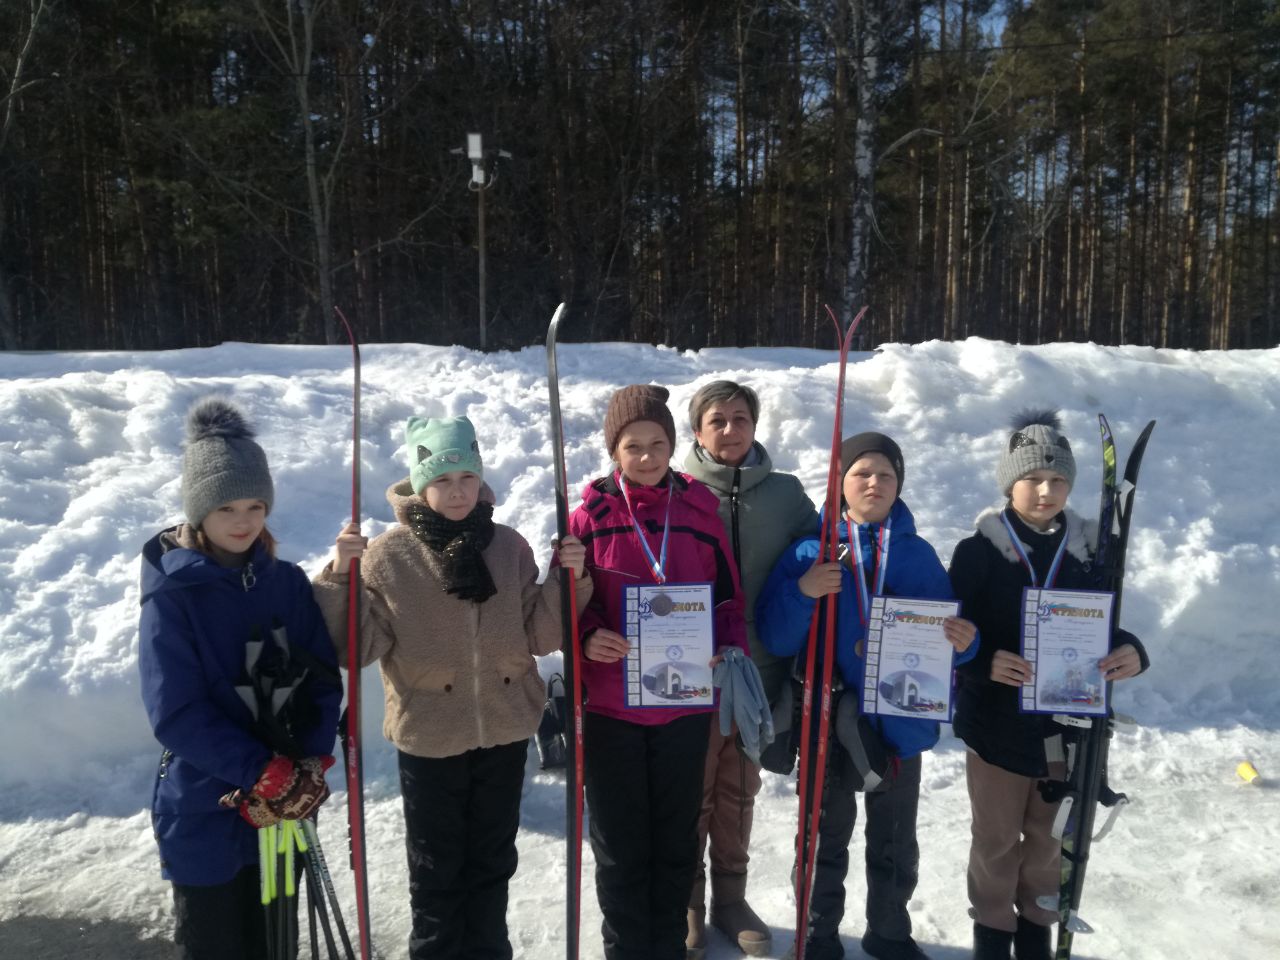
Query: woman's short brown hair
point(721, 391)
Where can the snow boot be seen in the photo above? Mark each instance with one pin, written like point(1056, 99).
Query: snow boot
point(1031, 942)
point(733, 916)
point(882, 948)
point(991, 944)
point(695, 941)
point(822, 948)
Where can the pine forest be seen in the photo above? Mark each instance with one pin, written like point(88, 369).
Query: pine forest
point(182, 172)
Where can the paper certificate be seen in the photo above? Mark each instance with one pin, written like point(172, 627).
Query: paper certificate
point(672, 634)
point(909, 661)
point(1064, 635)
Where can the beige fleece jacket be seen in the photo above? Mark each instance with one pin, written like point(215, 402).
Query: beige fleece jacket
point(457, 674)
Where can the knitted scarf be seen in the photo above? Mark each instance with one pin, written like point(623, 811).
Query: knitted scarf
point(457, 545)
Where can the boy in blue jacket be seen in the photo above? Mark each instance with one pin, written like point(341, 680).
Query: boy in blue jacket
point(893, 560)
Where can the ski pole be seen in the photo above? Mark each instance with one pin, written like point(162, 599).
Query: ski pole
point(312, 934)
point(326, 879)
point(315, 897)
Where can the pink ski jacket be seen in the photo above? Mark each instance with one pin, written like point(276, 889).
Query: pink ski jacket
point(697, 552)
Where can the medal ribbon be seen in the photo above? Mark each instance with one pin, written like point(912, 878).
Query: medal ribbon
point(658, 564)
point(865, 593)
point(1026, 560)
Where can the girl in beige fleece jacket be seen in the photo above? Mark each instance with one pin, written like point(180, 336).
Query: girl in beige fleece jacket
point(454, 614)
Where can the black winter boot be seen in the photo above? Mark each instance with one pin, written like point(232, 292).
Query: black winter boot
point(1031, 942)
point(991, 944)
point(819, 948)
point(881, 948)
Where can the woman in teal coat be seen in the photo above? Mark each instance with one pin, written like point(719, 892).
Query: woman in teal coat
point(763, 512)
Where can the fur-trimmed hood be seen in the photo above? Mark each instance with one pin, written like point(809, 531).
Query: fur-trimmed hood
point(1082, 534)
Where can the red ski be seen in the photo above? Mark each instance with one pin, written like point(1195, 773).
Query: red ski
point(350, 723)
point(572, 664)
point(813, 770)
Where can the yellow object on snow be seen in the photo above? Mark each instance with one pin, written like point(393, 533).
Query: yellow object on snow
point(1247, 771)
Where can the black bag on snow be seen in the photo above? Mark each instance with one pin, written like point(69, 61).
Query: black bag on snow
point(780, 755)
point(870, 762)
point(788, 722)
point(552, 728)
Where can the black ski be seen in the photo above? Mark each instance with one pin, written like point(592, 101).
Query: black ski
point(572, 665)
point(1087, 769)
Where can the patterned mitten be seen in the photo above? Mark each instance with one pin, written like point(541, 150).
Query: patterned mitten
point(305, 793)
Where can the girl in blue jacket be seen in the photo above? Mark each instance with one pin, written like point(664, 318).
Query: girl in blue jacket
point(880, 532)
point(226, 629)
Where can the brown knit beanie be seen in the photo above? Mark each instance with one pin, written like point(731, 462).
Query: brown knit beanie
point(640, 401)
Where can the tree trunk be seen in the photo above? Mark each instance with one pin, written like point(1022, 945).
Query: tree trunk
point(9, 338)
point(1189, 247)
point(1220, 262)
point(1162, 271)
point(865, 26)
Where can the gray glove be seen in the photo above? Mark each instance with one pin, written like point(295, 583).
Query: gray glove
point(742, 701)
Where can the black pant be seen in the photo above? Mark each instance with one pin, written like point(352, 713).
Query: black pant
point(461, 815)
point(226, 921)
point(644, 791)
point(892, 854)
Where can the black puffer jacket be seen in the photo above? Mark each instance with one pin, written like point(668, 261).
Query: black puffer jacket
point(988, 578)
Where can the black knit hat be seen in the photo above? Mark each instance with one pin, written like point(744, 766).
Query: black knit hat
point(870, 442)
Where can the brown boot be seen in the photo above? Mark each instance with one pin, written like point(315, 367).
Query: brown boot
point(695, 941)
point(733, 916)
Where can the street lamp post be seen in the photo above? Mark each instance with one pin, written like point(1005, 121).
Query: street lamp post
point(480, 181)
point(475, 153)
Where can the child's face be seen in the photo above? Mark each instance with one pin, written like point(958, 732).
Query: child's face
point(727, 431)
point(235, 526)
point(453, 495)
point(870, 488)
point(1039, 496)
point(643, 453)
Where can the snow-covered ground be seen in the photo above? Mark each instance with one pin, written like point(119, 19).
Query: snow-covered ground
point(89, 468)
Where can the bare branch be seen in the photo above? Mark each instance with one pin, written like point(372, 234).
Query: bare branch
point(907, 138)
point(16, 86)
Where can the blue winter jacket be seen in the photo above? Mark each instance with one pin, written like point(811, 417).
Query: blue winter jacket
point(196, 618)
point(783, 612)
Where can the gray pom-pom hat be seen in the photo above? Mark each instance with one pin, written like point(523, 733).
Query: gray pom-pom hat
point(222, 462)
point(1037, 443)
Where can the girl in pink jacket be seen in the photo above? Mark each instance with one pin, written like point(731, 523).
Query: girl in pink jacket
point(645, 525)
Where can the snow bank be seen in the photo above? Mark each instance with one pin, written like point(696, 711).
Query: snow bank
point(89, 469)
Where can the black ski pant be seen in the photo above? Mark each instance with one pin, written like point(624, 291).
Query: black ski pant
point(644, 792)
point(461, 815)
point(226, 921)
point(892, 853)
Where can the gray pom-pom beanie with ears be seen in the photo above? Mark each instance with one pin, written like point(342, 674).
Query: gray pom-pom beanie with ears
point(1037, 443)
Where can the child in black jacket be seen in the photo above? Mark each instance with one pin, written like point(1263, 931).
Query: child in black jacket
point(1034, 540)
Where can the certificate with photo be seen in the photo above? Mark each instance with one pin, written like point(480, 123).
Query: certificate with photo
point(909, 660)
point(1064, 635)
point(671, 629)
